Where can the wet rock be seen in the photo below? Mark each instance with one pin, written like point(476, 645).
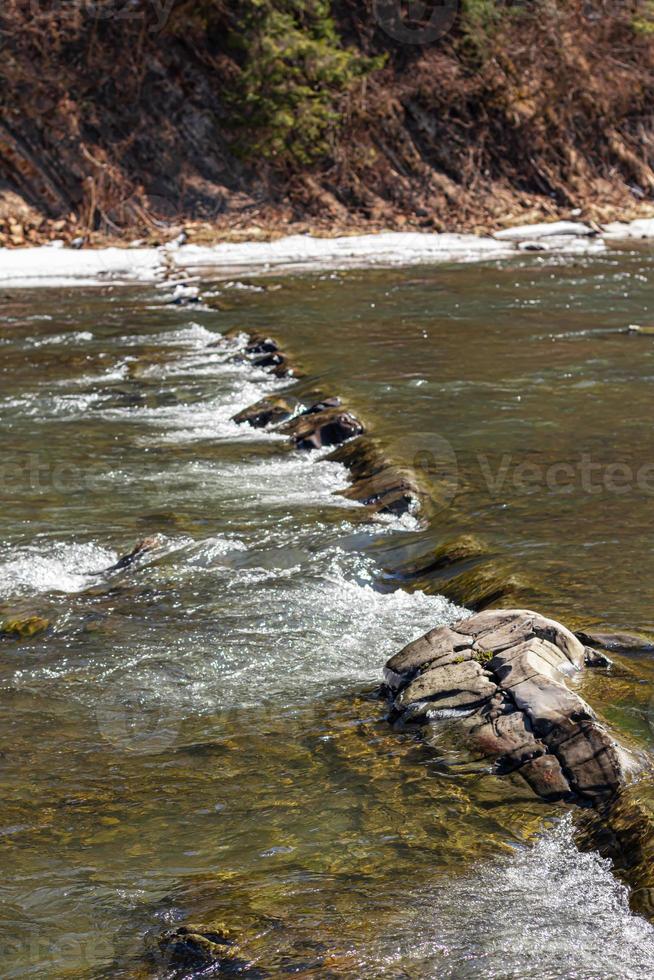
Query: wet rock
point(623, 831)
point(261, 345)
point(24, 627)
point(596, 658)
point(376, 481)
point(362, 457)
point(390, 491)
point(484, 585)
point(620, 642)
point(202, 948)
point(465, 548)
point(260, 350)
point(546, 778)
point(321, 406)
point(462, 684)
point(268, 411)
point(324, 427)
point(440, 646)
point(508, 670)
point(275, 363)
point(139, 549)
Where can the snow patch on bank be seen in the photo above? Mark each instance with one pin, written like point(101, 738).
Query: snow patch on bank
point(49, 266)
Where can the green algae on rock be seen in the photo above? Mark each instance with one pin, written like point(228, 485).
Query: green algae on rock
point(24, 627)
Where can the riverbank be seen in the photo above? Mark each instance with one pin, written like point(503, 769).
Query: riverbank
point(266, 118)
point(57, 265)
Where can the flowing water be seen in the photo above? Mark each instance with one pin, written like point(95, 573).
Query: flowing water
point(198, 739)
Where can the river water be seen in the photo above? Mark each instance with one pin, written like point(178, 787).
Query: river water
point(198, 740)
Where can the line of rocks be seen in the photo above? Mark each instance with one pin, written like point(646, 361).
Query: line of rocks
point(499, 680)
point(321, 422)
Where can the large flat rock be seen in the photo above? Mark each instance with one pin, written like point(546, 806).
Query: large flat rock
point(503, 678)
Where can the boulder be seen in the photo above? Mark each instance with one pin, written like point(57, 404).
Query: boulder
point(501, 677)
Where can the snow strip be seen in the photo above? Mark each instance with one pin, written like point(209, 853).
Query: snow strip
point(52, 266)
point(641, 228)
point(549, 229)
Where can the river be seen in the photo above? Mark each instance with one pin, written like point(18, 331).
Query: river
point(198, 740)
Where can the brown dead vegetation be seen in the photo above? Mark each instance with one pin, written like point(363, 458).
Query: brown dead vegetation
point(112, 125)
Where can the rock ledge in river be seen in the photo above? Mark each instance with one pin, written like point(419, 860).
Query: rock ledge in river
point(501, 676)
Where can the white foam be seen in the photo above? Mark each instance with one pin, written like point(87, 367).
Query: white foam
point(57, 567)
point(546, 910)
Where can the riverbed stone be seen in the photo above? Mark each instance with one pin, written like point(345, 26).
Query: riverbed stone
point(324, 427)
point(453, 685)
point(506, 672)
point(441, 645)
point(268, 411)
point(619, 641)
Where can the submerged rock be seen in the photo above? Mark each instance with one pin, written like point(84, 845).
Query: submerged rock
point(463, 549)
point(202, 948)
point(501, 679)
point(484, 585)
point(623, 831)
point(619, 642)
point(24, 627)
